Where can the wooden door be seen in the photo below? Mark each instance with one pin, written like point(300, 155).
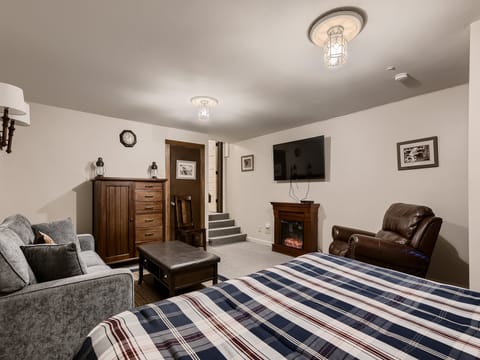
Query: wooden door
point(178, 153)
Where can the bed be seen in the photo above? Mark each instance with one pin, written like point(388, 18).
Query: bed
point(316, 306)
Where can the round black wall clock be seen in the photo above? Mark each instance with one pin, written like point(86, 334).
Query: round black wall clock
point(128, 138)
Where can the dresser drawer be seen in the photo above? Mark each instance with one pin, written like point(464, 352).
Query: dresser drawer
point(148, 220)
point(145, 207)
point(148, 234)
point(148, 186)
point(148, 195)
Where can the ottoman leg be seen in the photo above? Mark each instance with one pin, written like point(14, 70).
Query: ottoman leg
point(215, 274)
point(171, 285)
point(140, 269)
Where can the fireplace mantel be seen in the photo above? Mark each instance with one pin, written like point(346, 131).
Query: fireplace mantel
point(296, 216)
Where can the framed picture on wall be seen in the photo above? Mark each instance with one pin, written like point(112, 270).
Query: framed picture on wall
point(247, 163)
point(417, 154)
point(186, 170)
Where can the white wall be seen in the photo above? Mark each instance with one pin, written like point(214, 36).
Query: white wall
point(362, 176)
point(474, 156)
point(47, 175)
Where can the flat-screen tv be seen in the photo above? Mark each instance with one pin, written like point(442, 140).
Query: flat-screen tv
point(299, 160)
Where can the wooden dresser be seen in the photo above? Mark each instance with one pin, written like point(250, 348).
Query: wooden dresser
point(126, 213)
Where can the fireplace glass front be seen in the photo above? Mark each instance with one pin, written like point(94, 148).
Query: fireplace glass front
point(292, 234)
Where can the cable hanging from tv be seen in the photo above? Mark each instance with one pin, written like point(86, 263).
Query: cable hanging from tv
point(292, 195)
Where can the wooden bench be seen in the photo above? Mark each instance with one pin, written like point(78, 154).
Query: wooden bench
point(177, 265)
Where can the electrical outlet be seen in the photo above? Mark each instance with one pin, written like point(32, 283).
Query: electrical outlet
point(268, 228)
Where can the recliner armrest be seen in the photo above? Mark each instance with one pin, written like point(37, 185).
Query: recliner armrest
point(383, 251)
point(343, 233)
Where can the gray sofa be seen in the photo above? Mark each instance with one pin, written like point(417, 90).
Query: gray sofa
point(50, 319)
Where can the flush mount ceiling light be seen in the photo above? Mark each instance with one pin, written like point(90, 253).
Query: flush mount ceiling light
point(204, 104)
point(333, 31)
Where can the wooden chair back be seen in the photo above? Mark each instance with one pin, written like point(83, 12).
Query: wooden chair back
point(185, 229)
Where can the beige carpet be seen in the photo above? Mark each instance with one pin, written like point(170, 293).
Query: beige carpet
point(246, 257)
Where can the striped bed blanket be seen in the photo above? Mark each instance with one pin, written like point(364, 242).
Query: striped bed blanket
point(315, 306)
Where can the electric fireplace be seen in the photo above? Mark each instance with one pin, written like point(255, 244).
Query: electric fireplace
point(296, 227)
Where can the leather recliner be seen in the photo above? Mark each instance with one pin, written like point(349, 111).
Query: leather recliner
point(405, 242)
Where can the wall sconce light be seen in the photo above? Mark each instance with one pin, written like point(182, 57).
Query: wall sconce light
point(15, 111)
point(154, 170)
point(204, 104)
point(333, 31)
point(99, 167)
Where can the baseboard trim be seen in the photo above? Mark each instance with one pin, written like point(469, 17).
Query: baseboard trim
point(259, 241)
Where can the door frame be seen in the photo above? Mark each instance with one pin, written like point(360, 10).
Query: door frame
point(219, 176)
point(168, 201)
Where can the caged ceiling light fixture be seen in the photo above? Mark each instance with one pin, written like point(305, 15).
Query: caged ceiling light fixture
point(333, 31)
point(204, 104)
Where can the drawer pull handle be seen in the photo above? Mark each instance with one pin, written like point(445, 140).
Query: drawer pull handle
point(149, 196)
point(148, 208)
point(149, 234)
point(148, 186)
point(149, 220)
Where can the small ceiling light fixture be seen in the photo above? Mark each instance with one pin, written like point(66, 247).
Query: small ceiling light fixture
point(333, 31)
point(403, 76)
point(204, 104)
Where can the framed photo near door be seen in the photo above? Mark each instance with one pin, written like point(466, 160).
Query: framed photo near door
point(247, 163)
point(186, 170)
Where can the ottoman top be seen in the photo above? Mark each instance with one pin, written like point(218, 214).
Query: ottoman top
point(177, 255)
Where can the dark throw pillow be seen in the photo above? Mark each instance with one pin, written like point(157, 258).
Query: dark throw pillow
point(52, 262)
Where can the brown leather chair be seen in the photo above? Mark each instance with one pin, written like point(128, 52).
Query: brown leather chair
point(185, 229)
point(405, 242)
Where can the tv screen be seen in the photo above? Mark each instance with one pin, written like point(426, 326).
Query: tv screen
point(299, 160)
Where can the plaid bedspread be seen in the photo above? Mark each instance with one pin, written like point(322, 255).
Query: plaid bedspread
point(316, 306)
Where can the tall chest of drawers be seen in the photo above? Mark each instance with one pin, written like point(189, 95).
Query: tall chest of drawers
point(126, 213)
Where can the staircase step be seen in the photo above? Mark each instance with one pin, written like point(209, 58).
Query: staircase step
point(226, 239)
point(218, 216)
point(230, 230)
point(215, 224)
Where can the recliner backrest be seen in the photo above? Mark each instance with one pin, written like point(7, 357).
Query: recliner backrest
point(401, 222)
point(426, 235)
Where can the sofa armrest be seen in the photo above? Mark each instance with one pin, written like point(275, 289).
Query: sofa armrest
point(377, 251)
point(343, 233)
point(87, 242)
point(51, 319)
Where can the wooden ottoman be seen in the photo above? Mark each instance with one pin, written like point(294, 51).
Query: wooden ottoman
point(177, 265)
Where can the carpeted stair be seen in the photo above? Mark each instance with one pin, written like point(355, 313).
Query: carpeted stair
point(222, 230)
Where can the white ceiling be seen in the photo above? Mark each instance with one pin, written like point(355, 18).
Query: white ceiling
point(144, 59)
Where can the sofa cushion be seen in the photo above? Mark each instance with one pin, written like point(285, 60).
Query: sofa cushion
point(91, 258)
point(14, 269)
point(51, 262)
point(61, 231)
point(21, 226)
point(98, 268)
